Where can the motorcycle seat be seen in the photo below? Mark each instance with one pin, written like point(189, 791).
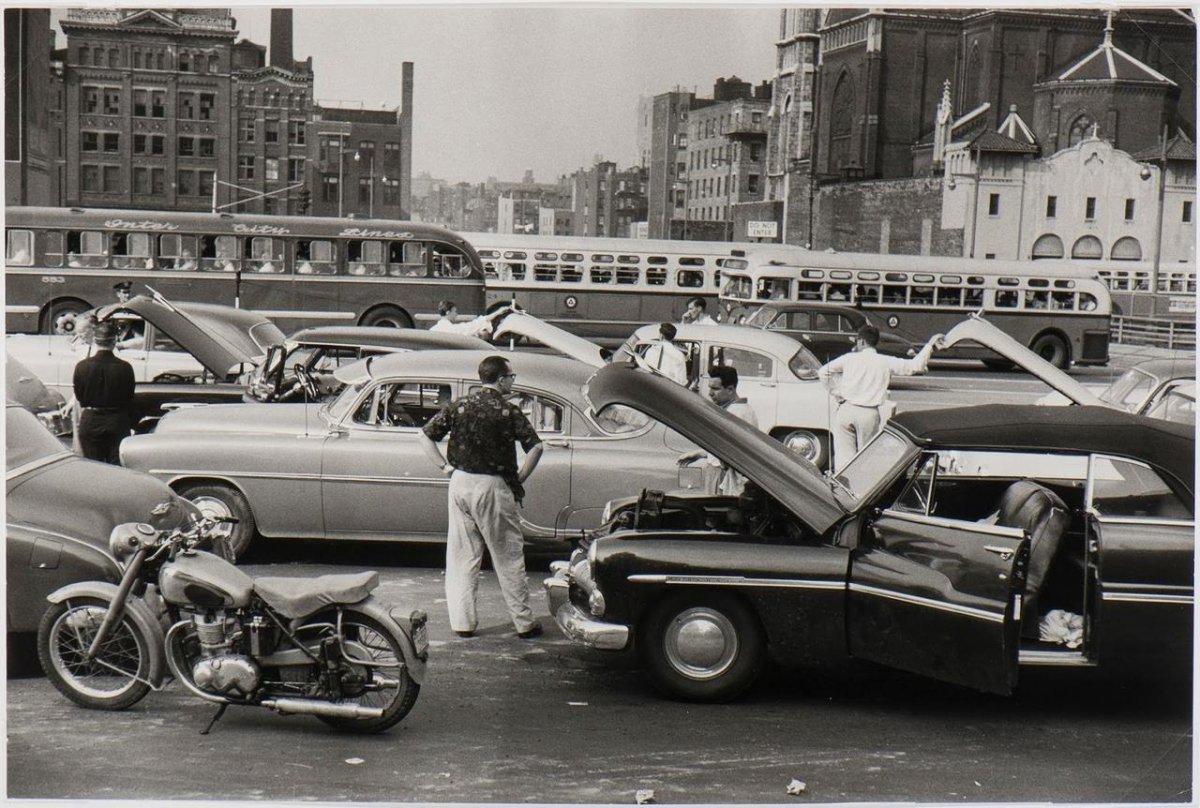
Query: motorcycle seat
point(300, 597)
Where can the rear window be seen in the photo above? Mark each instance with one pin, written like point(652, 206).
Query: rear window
point(804, 365)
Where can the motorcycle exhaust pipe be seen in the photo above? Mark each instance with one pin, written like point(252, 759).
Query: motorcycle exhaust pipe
point(306, 707)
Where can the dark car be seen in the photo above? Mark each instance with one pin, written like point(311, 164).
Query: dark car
point(60, 511)
point(322, 350)
point(959, 544)
point(828, 330)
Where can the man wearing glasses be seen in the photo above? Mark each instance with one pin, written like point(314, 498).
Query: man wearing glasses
point(485, 489)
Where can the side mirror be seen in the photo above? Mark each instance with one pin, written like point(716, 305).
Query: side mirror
point(338, 431)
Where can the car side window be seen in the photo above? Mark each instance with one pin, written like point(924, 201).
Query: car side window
point(800, 321)
point(749, 364)
point(402, 404)
point(917, 496)
point(545, 415)
point(1126, 488)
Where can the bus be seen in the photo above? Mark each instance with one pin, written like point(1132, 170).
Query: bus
point(1060, 310)
point(1129, 284)
point(299, 271)
point(601, 288)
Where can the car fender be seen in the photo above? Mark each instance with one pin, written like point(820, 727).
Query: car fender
point(377, 610)
point(139, 612)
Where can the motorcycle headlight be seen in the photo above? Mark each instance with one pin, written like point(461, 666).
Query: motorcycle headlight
point(127, 538)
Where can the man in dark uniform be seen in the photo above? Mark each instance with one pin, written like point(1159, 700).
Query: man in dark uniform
point(104, 387)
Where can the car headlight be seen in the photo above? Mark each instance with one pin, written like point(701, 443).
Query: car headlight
point(596, 602)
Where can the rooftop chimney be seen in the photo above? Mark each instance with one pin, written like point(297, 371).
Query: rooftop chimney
point(281, 39)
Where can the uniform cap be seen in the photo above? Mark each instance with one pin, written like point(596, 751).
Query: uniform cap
point(105, 334)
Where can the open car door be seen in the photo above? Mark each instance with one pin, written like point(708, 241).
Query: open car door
point(939, 597)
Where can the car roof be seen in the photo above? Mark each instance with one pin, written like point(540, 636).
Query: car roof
point(1168, 368)
point(1026, 427)
point(771, 342)
point(541, 371)
point(384, 337)
point(812, 305)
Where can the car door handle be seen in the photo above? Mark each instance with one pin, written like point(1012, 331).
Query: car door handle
point(766, 384)
point(1005, 553)
point(559, 443)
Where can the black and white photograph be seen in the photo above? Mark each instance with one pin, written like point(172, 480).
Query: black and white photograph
point(600, 404)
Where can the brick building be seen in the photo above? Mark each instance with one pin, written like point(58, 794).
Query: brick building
point(666, 190)
point(32, 109)
point(607, 201)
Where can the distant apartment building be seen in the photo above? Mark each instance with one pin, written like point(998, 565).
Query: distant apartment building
point(608, 202)
point(33, 140)
point(666, 183)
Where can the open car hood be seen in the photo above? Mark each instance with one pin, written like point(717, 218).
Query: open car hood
point(783, 475)
point(220, 337)
point(520, 324)
point(976, 329)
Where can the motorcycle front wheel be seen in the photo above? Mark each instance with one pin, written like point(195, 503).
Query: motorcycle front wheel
point(116, 678)
point(383, 682)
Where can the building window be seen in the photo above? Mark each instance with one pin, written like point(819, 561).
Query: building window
point(295, 169)
point(187, 106)
point(112, 101)
point(1187, 211)
point(91, 141)
point(391, 156)
point(206, 147)
point(187, 147)
point(89, 177)
point(207, 102)
point(112, 142)
point(246, 128)
point(141, 103)
point(329, 188)
point(246, 167)
point(91, 99)
point(213, 63)
point(112, 179)
point(85, 56)
point(366, 151)
point(271, 131)
point(1090, 208)
point(993, 204)
point(114, 57)
point(391, 192)
point(271, 169)
point(296, 133)
point(147, 144)
point(185, 62)
point(141, 180)
point(206, 182)
point(158, 104)
point(186, 181)
point(364, 190)
point(1129, 210)
point(1051, 207)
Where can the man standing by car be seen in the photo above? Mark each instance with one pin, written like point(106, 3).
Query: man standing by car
point(485, 489)
point(665, 357)
point(104, 388)
point(722, 389)
point(859, 381)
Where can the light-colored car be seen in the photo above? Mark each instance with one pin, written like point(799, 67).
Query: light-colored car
point(1176, 403)
point(353, 468)
point(776, 374)
point(1139, 388)
point(23, 387)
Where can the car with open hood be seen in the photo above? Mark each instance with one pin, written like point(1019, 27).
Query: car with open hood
point(26, 389)
point(960, 544)
point(827, 329)
point(1140, 388)
point(320, 351)
point(354, 468)
point(181, 353)
point(60, 510)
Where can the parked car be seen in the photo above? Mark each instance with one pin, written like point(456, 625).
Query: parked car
point(1140, 387)
point(182, 353)
point(959, 544)
point(322, 350)
point(353, 468)
point(60, 510)
point(24, 388)
point(1176, 402)
point(827, 329)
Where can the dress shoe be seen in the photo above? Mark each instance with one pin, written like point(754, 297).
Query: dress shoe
point(530, 633)
point(465, 634)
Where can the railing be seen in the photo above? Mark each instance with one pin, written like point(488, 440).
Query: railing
point(1161, 333)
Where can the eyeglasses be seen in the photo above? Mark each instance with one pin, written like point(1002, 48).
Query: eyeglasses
point(508, 376)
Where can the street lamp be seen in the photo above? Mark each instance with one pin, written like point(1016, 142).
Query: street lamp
point(371, 180)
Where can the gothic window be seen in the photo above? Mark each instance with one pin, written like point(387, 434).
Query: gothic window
point(1081, 128)
point(972, 91)
point(842, 121)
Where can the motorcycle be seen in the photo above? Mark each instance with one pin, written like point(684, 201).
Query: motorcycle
point(319, 646)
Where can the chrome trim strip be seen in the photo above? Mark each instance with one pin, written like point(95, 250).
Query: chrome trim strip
point(1066, 658)
point(956, 524)
point(1145, 597)
point(1123, 586)
point(34, 465)
point(1142, 520)
point(736, 580)
point(917, 600)
point(271, 475)
point(313, 315)
point(21, 309)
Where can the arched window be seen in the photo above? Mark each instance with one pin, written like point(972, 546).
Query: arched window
point(1081, 128)
point(1048, 246)
point(1126, 249)
point(1089, 248)
point(843, 121)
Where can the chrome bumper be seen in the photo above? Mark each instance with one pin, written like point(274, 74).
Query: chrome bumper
point(577, 624)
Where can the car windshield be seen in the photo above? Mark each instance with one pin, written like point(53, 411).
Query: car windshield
point(761, 317)
point(1129, 390)
point(265, 335)
point(617, 419)
point(804, 365)
point(872, 465)
point(26, 440)
point(339, 408)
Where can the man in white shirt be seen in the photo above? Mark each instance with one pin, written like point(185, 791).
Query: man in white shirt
point(859, 380)
point(697, 313)
point(722, 389)
point(663, 356)
point(481, 326)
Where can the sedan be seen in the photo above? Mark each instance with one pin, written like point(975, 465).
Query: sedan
point(1140, 388)
point(959, 544)
point(353, 468)
point(827, 329)
point(60, 511)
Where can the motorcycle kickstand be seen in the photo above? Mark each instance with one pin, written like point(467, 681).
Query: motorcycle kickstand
point(215, 718)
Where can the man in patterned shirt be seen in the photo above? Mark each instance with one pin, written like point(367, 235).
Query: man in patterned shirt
point(485, 489)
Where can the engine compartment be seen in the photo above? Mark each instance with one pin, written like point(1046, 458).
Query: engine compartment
point(752, 513)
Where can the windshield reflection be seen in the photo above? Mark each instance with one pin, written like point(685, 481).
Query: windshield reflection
point(872, 465)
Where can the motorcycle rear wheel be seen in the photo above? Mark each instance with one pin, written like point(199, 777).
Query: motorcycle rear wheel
point(116, 678)
point(364, 635)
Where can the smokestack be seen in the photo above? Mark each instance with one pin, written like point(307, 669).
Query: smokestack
point(281, 39)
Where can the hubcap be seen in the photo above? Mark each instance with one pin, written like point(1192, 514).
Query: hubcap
point(701, 643)
point(211, 506)
point(804, 444)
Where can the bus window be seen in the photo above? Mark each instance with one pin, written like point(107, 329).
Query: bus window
point(1039, 283)
point(973, 298)
point(656, 276)
point(406, 259)
point(894, 293)
point(1087, 302)
point(448, 262)
point(866, 293)
point(544, 256)
point(19, 248)
point(949, 296)
point(690, 261)
point(52, 244)
point(808, 290)
point(837, 291)
point(602, 274)
point(921, 295)
point(85, 248)
point(315, 257)
point(772, 289)
point(716, 279)
point(131, 251)
point(602, 259)
point(1006, 299)
point(545, 273)
point(364, 258)
point(628, 275)
point(264, 255)
point(572, 258)
point(571, 274)
point(736, 287)
point(218, 253)
point(513, 271)
point(628, 259)
point(1037, 300)
point(488, 257)
point(689, 278)
point(1063, 301)
point(177, 252)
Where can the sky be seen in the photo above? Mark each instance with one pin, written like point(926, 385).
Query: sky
point(502, 89)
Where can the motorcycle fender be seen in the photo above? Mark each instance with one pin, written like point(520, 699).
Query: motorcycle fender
point(374, 608)
point(137, 609)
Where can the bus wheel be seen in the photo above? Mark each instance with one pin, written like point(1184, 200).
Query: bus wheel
point(1052, 348)
point(387, 317)
point(60, 316)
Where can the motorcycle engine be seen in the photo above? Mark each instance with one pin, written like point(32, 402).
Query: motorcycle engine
point(219, 671)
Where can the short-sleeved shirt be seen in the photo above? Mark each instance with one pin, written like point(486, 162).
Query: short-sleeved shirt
point(104, 380)
point(484, 428)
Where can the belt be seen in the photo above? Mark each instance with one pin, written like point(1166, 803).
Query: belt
point(104, 409)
